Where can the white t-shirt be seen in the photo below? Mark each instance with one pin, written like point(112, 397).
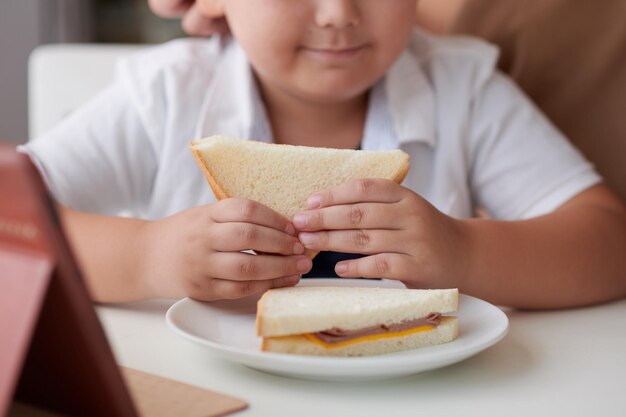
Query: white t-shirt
point(473, 138)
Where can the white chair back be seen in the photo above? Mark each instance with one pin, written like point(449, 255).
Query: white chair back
point(61, 77)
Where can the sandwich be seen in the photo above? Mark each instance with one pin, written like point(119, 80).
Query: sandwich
point(354, 321)
point(283, 177)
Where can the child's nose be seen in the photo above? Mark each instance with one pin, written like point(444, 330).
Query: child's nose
point(338, 14)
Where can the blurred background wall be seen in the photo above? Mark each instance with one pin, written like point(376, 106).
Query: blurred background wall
point(25, 24)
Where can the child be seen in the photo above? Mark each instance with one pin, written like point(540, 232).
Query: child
point(345, 74)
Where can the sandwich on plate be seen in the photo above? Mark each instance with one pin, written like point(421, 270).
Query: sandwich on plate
point(355, 321)
point(283, 177)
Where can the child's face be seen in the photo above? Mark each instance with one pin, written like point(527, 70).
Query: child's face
point(321, 50)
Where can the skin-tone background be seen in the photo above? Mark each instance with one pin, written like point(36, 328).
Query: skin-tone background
point(537, 263)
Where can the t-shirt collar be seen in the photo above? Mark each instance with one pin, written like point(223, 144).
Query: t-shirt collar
point(411, 100)
point(228, 108)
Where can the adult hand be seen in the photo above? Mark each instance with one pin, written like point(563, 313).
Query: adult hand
point(199, 18)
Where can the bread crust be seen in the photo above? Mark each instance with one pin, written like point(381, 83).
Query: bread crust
point(402, 173)
point(220, 194)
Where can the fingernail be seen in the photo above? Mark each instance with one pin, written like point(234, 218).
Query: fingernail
point(314, 202)
point(341, 268)
point(298, 248)
point(300, 221)
point(290, 230)
point(303, 265)
point(307, 238)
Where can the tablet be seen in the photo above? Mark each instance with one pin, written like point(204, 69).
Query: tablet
point(53, 351)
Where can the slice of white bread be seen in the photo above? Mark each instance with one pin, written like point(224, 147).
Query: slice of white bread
point(298, 310)
point(447, 331)
point(283, 176)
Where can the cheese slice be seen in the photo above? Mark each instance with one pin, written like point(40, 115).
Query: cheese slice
point(312, 338)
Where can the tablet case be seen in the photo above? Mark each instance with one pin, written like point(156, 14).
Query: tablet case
point(53, 351)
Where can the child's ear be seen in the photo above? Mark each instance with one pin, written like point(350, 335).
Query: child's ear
point(211, 8)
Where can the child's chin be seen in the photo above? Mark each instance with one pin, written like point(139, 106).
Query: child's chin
point(334, 94)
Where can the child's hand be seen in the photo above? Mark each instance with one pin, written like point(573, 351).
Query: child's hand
point(406, 237)
point(197, 253)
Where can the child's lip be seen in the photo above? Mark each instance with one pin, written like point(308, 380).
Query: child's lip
point(334, 52)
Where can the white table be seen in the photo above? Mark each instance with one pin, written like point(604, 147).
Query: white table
point(559, 363)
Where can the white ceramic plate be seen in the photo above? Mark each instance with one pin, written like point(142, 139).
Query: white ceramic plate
point(228, 329)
